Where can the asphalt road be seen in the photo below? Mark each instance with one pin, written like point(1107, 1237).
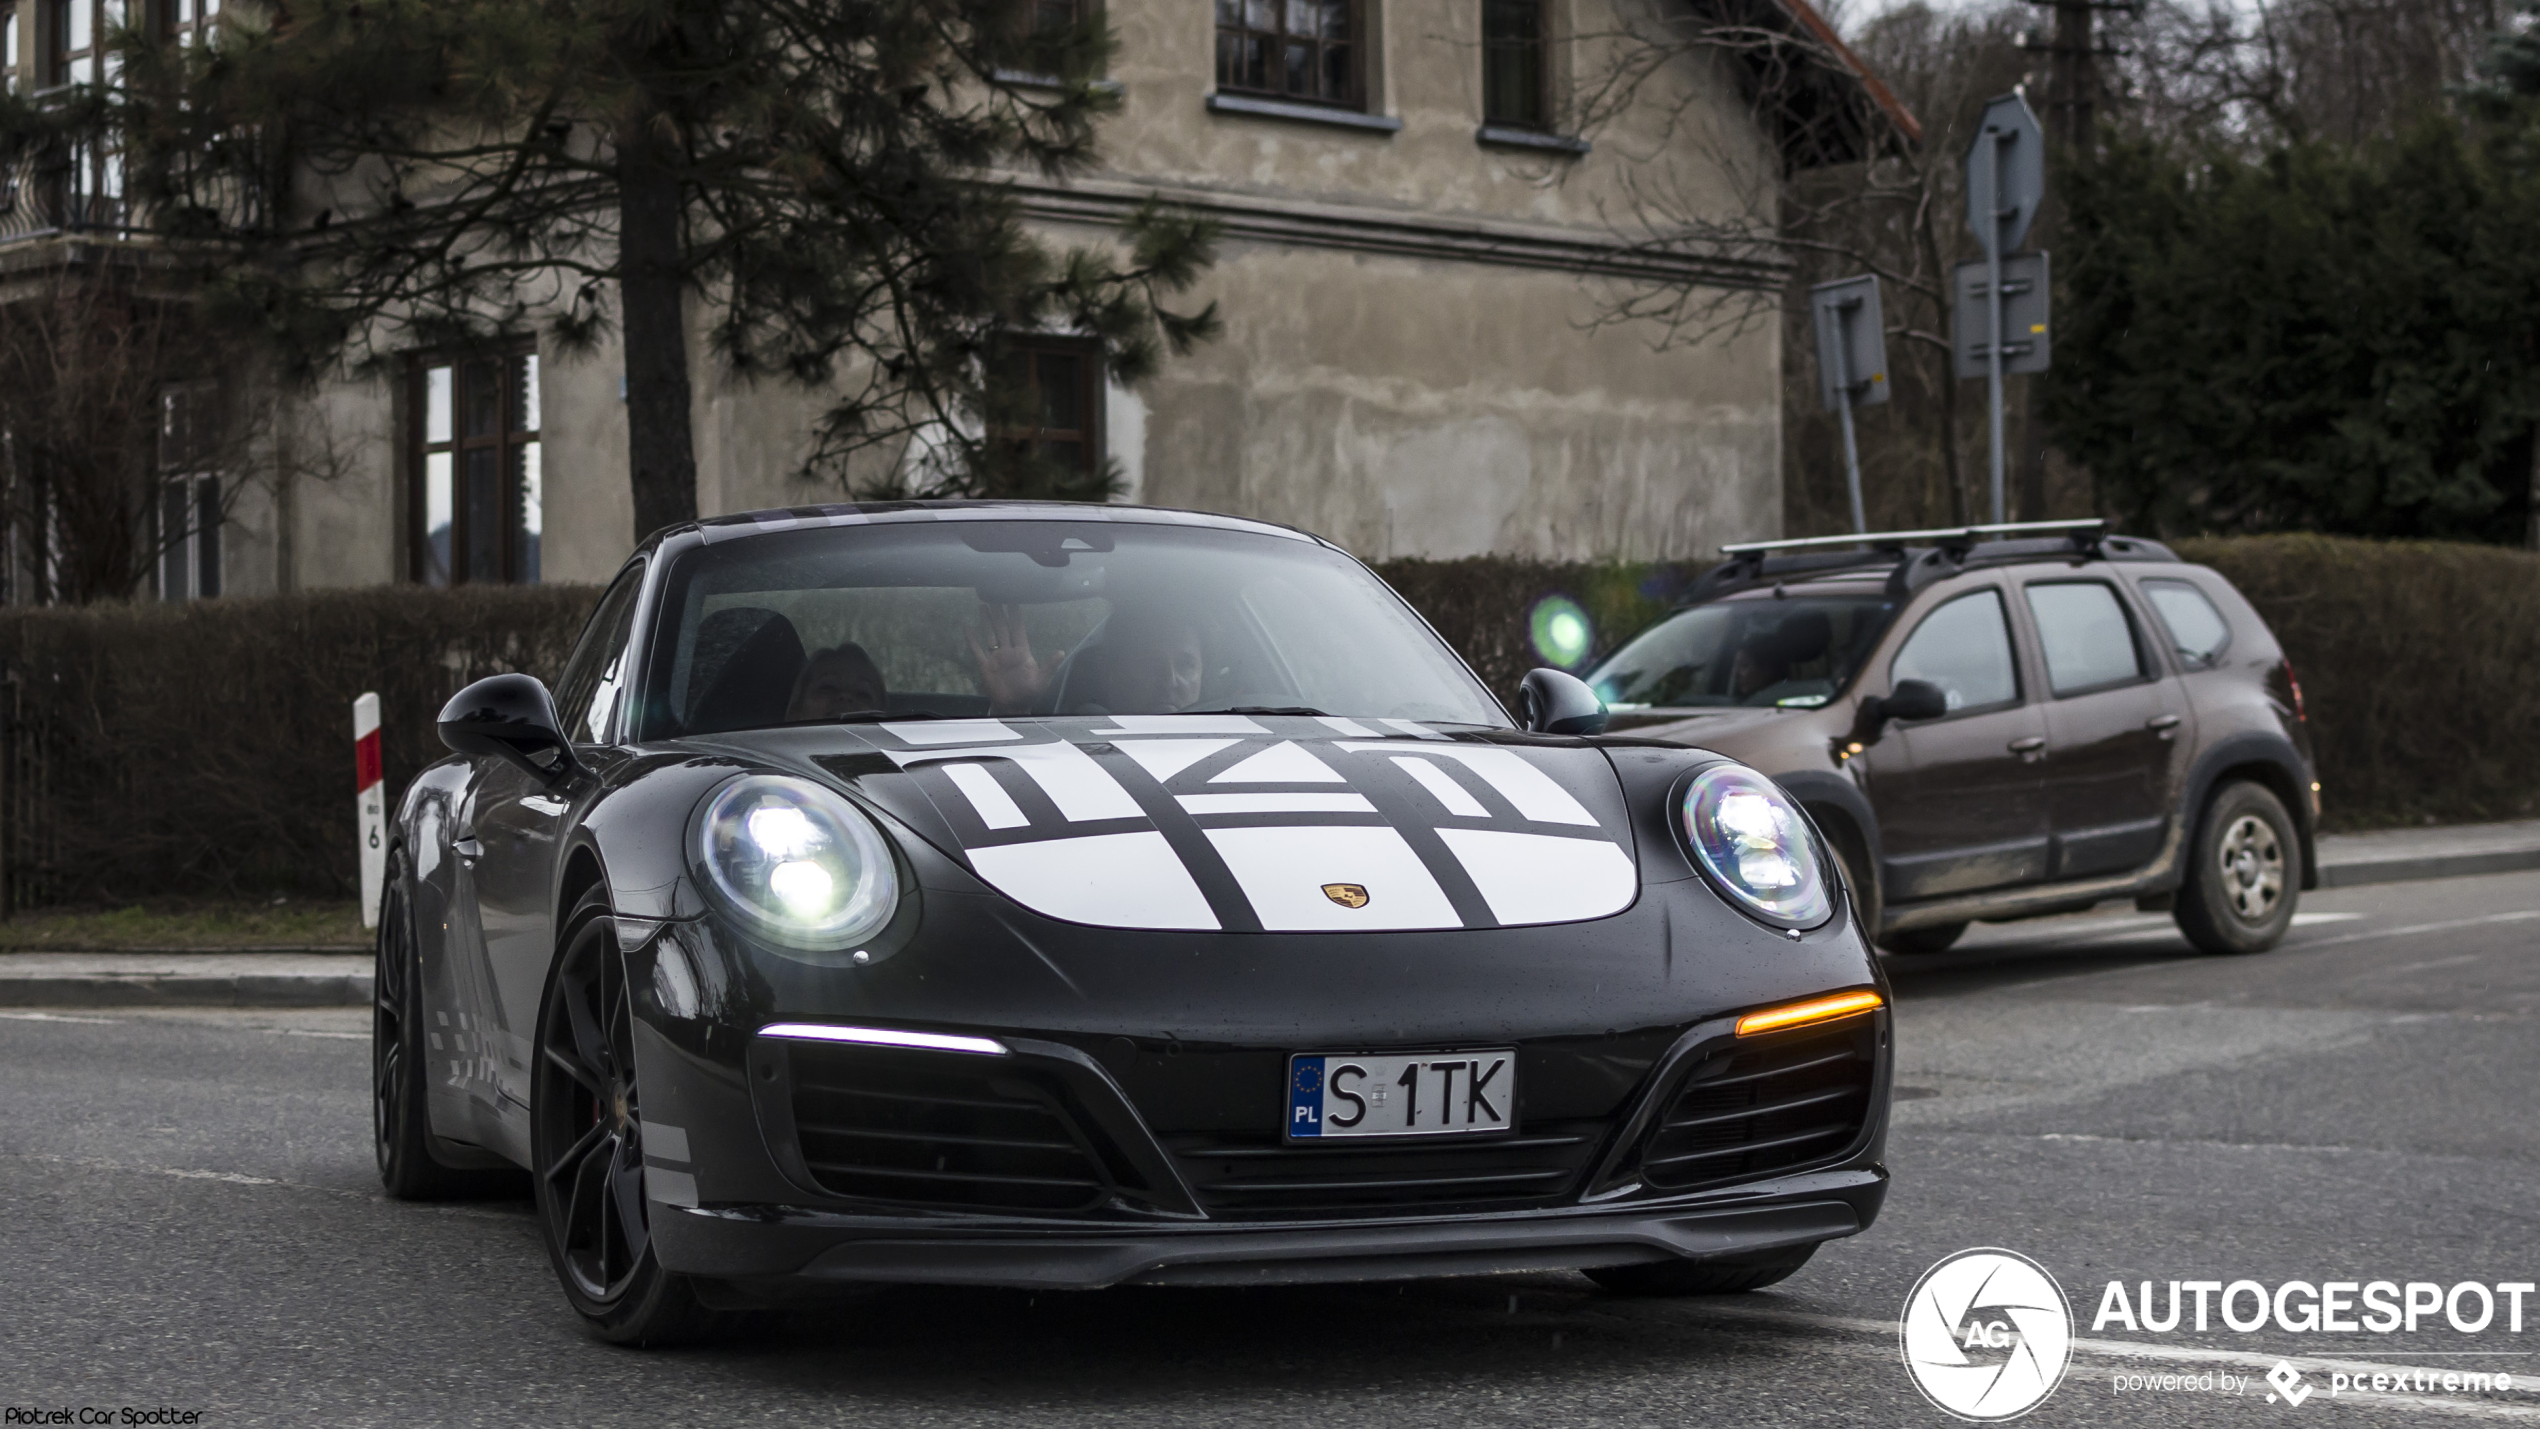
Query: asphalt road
point(188, 1218)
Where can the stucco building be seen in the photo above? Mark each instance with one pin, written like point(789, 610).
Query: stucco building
point(1418, 246)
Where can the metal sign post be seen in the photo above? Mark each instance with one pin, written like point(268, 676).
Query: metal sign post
point(1851, 339)
point(2006, 176)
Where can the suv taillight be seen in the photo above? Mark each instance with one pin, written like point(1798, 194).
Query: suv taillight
point(2295, 682)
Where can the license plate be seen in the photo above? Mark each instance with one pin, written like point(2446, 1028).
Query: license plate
point(1333, 1094)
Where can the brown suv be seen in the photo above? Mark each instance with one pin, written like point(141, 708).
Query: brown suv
point(2000, 722)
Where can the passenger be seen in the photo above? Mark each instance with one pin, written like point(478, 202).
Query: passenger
point(1152, 664)
point(841, 680)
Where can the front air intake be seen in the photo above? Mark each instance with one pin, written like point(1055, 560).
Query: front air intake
point(1764, 1105)
point(924, 1128)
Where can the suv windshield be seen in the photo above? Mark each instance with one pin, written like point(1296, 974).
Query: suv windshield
point(1795, 651)
point(1021, 618)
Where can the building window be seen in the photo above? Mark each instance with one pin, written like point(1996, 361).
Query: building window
point(1051, 403)
point(189, 492)
point(1295, 49)
point(1513, 65)
point(189, 21)
point(1054, 19)
point(477, 504)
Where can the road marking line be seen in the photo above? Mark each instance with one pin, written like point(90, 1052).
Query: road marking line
point(57, 1017)
point(2185, 1354)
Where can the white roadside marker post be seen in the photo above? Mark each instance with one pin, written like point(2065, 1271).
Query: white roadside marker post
point(369, 815)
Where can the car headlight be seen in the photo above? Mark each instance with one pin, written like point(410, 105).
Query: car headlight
point(1754, 845)
point(796, 862)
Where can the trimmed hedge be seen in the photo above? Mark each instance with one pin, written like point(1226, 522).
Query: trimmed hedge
point(204, 749)
point(2419, 663)
point(207, 748)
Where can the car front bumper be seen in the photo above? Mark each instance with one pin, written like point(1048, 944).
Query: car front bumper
point(770, 1254)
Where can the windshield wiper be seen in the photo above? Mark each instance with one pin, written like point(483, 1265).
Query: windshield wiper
point(877, 716)
point(1261, 709)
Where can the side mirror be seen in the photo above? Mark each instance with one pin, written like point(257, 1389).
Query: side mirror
point(1553, 702)
point(512, 718)
point(1914, 699)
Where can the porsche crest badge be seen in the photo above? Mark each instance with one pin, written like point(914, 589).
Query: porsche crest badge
point(1348, 895)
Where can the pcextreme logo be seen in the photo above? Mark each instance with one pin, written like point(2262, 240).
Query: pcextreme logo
point(1987, 1334)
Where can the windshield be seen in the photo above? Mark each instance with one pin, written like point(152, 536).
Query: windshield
point(954, 619)
point(1795, 651)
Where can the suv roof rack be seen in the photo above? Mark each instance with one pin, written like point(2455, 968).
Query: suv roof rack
point(1945, 537)
point(1914, 559)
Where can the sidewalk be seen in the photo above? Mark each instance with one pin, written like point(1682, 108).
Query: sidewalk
point(2408, 855)
point(311, 978)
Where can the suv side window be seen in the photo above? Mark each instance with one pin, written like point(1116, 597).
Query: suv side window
point(2084, 632)
point(1964, 647)
point(586, 693)
point(2197, 631)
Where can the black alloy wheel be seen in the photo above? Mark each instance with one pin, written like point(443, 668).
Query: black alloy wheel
point(400, 1124)
point(1703, 1277)
point(587, 1145)
point(2244, 874)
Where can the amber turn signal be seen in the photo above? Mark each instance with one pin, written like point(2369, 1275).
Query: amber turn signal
point(1814, 1010)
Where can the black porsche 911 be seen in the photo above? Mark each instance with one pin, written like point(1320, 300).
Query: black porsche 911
point(1061, 896)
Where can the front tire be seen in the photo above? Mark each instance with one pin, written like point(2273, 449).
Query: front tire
point(1702, 1277)
point(400, 1116)
point(2244, 874)
point(587, 1148)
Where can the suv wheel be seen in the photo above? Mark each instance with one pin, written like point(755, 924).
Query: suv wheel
point(2245, 874)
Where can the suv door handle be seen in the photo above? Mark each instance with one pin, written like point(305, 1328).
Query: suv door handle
point(2165, 725)
point(2029, 749)
point(468, 848)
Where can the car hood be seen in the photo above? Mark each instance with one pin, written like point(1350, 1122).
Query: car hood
point(1716, 729)
point(1249, 822)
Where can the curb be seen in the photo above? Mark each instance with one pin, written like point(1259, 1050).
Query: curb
point(188, 990)
point(2417, 870)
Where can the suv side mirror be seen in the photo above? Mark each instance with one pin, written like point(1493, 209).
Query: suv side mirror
point(1914, 699)
point(1555, 702)
point(512, 718)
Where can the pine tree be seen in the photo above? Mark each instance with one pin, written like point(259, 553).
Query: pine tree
point(354, 178)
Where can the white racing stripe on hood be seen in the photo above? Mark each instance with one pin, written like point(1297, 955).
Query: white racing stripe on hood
point(1283, 872)
point(1074, 782)
point(1113, 880)
point(1537, 878)
point(1275, 804)
point(950, 731)
point(1534, 793)
point(1286, 762)
point(996, 808)
point(1165, 758)
point(1441, 785)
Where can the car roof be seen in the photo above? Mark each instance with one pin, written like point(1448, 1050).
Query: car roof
point(716, 529)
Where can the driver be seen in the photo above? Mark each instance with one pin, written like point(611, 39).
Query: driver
point(1149, 662)
point(1766, 660)
point(841, 680)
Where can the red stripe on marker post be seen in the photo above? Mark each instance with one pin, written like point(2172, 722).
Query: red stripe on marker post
point(369, 807)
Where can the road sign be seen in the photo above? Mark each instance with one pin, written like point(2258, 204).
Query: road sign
point(2006, 180)
point(2026, 324)
point(1851, 341)
point(2005, 187)
point(1851, 363)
